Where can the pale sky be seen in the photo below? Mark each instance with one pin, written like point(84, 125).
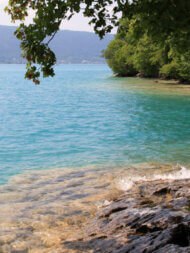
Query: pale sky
point(77, 23)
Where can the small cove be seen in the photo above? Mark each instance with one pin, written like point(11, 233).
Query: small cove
point(67, 144)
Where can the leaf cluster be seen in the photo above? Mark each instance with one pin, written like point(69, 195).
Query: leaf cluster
point(161, 19)
point(131, 53)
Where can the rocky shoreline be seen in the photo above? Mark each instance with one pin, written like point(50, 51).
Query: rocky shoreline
point(153, 216)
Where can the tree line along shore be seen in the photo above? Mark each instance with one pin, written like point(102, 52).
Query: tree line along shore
point(135, 52)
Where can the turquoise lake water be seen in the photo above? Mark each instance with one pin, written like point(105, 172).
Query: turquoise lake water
point(83, 116)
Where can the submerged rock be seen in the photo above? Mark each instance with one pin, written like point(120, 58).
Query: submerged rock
point(150, 217)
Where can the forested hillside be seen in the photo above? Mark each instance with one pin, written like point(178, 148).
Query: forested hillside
point(69, 46)
point(135, 51)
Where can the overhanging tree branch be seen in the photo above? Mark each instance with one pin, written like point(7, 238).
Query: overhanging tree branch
point(162, 19)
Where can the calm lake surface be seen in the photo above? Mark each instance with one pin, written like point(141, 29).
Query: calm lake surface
point(77, 141)
point(85, 117)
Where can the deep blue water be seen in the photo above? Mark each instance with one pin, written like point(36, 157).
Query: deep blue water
point(84, 116)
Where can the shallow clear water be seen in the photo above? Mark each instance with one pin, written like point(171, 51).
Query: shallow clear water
point(77, 140)
point(84, 116)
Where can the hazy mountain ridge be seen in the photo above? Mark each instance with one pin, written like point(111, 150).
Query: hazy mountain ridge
point(69, 46)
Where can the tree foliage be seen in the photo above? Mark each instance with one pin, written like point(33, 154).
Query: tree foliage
point(160, 18)
point(146, 55)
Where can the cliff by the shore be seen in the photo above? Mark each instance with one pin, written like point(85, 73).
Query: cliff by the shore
point(152, 216)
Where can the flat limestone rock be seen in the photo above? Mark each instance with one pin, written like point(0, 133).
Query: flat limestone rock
point(151, 217)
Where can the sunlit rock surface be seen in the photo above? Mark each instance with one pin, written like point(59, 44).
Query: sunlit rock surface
point(153, 216)
point(140, 208)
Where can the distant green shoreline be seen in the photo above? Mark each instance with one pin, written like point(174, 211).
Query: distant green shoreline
point(157, 80)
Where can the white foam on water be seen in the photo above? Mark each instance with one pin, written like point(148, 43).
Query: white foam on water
point(127, 182)
point(103, 204)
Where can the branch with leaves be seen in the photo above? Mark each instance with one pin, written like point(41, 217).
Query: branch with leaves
point(162, 19)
